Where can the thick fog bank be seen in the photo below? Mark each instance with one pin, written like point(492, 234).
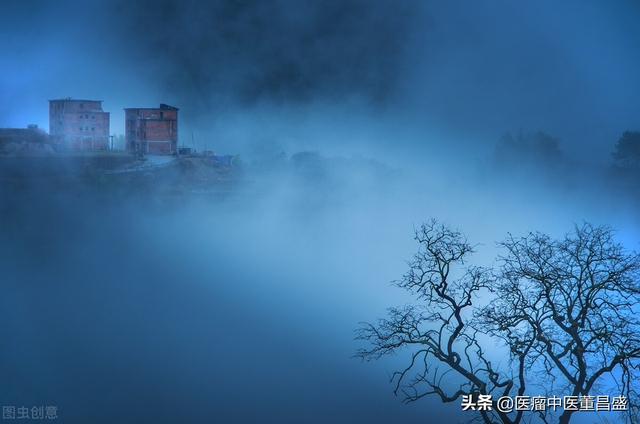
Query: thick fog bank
point(242, 308)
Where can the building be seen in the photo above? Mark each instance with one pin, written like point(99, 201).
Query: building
point(24, 140)
point(152, 130)
point(31, 134)
point(78, 124)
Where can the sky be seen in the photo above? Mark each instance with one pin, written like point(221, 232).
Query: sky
point(355, 121)
point(456, 73)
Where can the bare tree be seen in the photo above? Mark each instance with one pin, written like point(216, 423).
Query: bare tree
point(563, 310)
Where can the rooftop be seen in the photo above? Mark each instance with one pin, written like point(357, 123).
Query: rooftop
point(162, 107)
point(69, 99)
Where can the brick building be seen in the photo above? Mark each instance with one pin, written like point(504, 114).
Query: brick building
point(79, 124)
point(24, 140)
point(152, 130)
point(31, 134)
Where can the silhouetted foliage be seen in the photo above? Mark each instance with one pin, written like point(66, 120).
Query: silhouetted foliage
point(537, 148)
point(565, 311)
point(311, 166)
point(627, 150)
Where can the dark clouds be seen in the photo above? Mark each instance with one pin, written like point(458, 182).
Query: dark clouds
point(274, 50)
point(443, 73)
point(466, 69)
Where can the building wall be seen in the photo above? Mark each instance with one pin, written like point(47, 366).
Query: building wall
point(27, 141)
point(31, 134)
point(79, 124)
point(152, 130)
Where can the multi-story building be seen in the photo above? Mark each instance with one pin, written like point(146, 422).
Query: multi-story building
point(31, 134)
point(30, 140)
point(78, 124)
point(152, 130)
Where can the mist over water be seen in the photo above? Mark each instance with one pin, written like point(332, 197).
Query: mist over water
point(355, 122)
point(240, 309)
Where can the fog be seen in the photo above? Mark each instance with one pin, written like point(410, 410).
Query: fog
point(354, 121)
